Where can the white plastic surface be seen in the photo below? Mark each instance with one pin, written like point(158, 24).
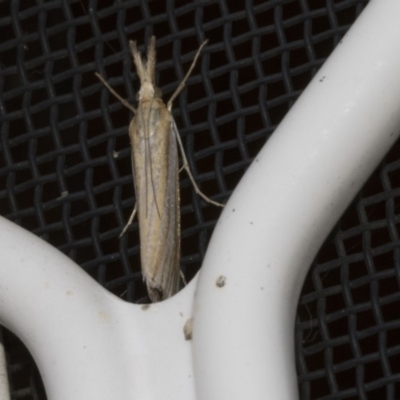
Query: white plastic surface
point(88, 343)
point(91, 345)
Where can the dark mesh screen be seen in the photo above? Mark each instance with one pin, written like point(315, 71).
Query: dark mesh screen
point(65, 170)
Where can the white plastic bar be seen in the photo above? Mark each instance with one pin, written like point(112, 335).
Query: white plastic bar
point(87, 343)
point(4, 386)
point(284, 208)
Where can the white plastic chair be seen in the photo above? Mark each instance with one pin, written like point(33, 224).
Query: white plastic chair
point(89, 344)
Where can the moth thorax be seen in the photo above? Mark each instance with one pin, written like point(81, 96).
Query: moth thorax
point(146, 91)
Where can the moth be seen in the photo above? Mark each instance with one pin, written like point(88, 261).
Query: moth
point(154, 143)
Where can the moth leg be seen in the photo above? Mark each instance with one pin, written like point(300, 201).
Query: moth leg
point(129, 222)
point(183, 82)
point(113, 92)
point(183, 277)
point(187, 168)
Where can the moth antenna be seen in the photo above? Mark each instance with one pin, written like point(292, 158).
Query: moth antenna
point(137, 59)
point(151, 60)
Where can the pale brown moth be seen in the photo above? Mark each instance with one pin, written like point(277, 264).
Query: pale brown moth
point(154, 138)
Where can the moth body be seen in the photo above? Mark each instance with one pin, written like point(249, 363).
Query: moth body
point(156, 172)
point(154, 143)
point(156, 179)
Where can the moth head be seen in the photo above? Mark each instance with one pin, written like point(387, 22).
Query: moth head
point(146, 91)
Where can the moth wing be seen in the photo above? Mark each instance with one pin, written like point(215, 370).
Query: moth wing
point(155, 165)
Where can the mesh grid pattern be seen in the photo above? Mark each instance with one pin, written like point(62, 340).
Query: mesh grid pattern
point(348, 312)
point(65, 170)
